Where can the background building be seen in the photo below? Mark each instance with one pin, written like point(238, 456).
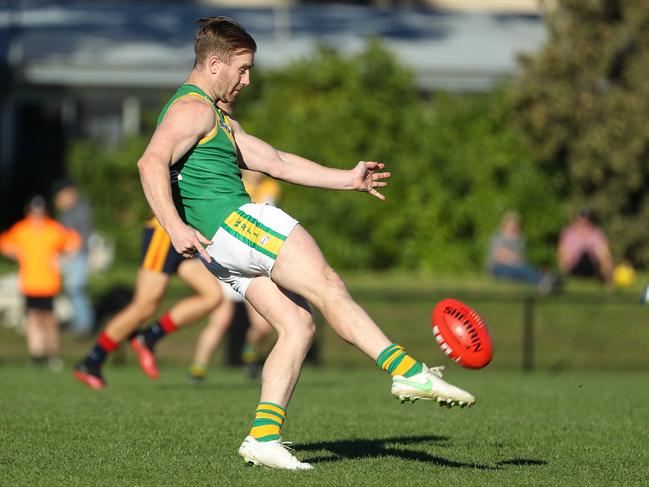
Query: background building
point(83, 69)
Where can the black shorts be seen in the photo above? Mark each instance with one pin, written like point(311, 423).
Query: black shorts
point(43, 303)
point(157, 252)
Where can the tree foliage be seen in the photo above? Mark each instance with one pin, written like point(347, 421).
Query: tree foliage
point(583, 102)
point(457, 164)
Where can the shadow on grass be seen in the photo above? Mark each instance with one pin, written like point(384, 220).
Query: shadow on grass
point(360, 448)
point(365, 448)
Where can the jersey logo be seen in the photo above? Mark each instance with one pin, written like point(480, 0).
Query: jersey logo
point(225, 126)
point(175, 176)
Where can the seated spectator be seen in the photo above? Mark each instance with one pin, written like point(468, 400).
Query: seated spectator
point(507, 255)
point(584, 250)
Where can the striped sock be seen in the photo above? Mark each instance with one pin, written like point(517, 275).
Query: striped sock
point(396, 361)
point(267, 425)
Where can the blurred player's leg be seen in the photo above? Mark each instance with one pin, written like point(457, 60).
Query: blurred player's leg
point(210, 338)
point(183, 313)
point(149, 289)
point(256, 335)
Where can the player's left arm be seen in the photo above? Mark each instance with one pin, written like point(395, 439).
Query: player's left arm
point(258, 155)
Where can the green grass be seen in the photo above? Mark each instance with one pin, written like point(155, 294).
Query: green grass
point(581, 419)
point(583, 428)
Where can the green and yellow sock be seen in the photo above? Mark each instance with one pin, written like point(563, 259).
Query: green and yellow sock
point(267, 425)
point(396, 361)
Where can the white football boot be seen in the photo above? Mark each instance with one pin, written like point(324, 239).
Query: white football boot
point(271, 454)
point(428, 385)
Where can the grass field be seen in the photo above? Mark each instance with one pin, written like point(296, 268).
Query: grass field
point(582, 418)
point(538, 429)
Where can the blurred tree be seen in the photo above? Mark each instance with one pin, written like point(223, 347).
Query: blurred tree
point(583, 103)
point(110, 179)
point(457, 165)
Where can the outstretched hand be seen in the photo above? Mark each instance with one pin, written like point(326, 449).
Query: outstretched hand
point(188, 241)
point(367, 179)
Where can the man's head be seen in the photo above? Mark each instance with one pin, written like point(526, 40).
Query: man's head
point(584, 216)
point(225, 52)
point(65, 195)
point(36, 208)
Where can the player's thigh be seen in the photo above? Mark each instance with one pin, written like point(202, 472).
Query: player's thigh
point(150, 287)
point(286, 311)
point(197, 277)
point(301, 267)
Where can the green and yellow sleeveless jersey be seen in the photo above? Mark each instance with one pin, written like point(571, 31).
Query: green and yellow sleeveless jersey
point(206, 183)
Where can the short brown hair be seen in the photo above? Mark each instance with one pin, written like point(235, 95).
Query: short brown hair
point(221, 37)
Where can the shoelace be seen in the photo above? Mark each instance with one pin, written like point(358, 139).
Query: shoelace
point(286, 451)
point(437, 371)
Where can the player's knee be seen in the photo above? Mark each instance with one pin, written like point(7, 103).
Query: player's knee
point(306, 333)
point(302, 333)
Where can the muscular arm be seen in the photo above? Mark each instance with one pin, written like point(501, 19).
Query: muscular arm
point(260, 156)
point(182, 127)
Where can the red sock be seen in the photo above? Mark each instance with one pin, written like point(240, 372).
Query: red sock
point(106, 342)
point(167, 324)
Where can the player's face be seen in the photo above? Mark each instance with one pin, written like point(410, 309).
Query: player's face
point(235, 75)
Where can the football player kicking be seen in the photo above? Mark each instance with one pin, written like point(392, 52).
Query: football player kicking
point(259, 250)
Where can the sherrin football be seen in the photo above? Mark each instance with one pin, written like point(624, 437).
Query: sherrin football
point(461, 334)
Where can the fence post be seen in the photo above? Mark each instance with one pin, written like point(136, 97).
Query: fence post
point(528, 334)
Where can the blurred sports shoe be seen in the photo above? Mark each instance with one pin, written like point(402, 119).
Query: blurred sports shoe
point(429, 385)
point(91, 376)
point(145, 356)
point(197, 374)
point(644, 297)
point(271, 454)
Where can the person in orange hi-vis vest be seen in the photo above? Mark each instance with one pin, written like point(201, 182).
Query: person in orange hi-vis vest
point(37, 242)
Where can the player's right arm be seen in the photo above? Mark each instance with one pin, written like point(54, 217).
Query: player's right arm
point(184, 124)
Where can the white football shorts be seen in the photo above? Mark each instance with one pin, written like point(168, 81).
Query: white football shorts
point(247, 243)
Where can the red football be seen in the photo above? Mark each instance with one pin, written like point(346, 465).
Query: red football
point(461, 334)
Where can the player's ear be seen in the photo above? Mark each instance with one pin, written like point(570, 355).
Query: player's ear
point(213, 63)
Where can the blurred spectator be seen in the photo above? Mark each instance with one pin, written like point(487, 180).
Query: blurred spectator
point(584, 250)
point(37, 242)
point(507, 256)
point(74, 212)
